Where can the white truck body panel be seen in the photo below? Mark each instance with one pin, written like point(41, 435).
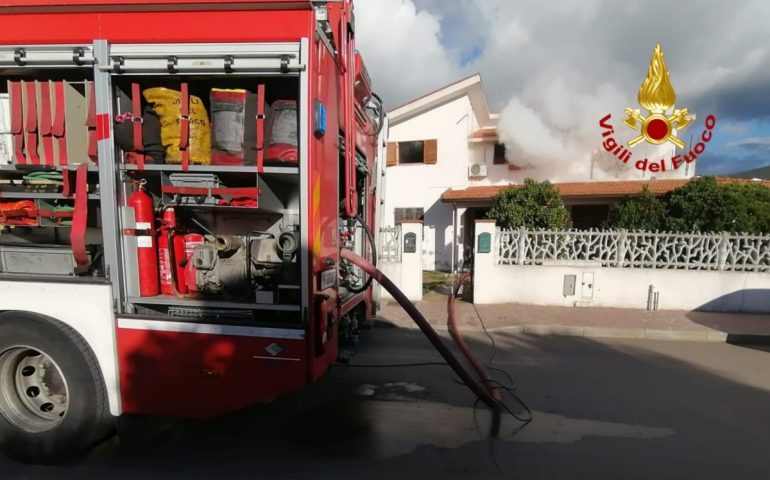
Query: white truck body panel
point(86, 308)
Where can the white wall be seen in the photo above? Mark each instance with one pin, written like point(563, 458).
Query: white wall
point(406, 274)
point(421, 186)
point(618, 287)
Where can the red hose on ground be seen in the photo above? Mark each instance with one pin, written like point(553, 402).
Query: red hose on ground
point(484, 392)
point(454, 332)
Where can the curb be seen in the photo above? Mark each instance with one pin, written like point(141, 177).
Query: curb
point(712, 336)
point(704, 335)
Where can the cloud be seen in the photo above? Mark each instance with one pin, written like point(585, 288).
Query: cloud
point(721, 164)
point(555, 68)
point(757, 144)
point(402, 49)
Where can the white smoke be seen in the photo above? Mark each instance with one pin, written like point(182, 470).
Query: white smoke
point(554, 69)
point(402, 49)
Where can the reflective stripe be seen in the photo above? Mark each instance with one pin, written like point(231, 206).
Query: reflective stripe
point(280, 359)
point(209, 329)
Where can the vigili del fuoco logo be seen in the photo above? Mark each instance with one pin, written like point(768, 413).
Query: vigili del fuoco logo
point(659, 125)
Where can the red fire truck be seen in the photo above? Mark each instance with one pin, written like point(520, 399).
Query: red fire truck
point(177, 179)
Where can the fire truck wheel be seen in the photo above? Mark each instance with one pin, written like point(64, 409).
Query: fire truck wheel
point(53, 402)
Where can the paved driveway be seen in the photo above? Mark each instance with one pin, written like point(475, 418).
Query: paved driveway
point(603, 409)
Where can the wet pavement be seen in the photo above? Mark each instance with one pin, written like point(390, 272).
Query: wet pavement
point(602, 409)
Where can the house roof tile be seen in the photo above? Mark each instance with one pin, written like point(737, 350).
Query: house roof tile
point(485, 133)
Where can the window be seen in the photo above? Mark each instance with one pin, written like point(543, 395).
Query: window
point(414, 152)
point(411, 152)
point(405, 214)
point(500, 154)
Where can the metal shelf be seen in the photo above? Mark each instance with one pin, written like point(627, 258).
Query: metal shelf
point(42, 196)
point(43, 168)
point(198, 302)
point(213, 169)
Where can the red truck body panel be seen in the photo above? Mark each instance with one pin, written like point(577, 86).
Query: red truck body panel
point(204, 374)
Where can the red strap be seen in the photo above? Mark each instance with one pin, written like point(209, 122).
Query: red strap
point(31, 143)
point(80, 217)
point(30, 123)
point(66, 187)
point(260, 128)
point(16, 115)
point(93, 153)
point(57, 128)
point(45, 108)
point(136, 110)
point(136, 159)
point(55, 214)
point(91, 118)
point(30, 117)
point(46, 121)
point(61, 143)
point(17, 122)
point(239, 192)
point(184, 128)
point(48, 149)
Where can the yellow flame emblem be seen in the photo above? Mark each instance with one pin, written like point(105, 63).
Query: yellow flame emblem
point(657, 95)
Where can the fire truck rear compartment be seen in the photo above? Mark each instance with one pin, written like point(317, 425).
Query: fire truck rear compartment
point(244, 213)
point(39, 186)
point(226, 224)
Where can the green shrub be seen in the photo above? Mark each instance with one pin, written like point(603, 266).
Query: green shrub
point(705, 205)
point(644, 211)
point(534, 205)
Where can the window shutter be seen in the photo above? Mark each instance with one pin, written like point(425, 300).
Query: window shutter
point(392, 154)
point(430, 156)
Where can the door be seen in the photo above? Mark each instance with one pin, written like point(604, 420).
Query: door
point(588, 286)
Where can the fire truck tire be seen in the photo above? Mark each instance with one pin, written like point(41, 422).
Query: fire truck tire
point(53, 401)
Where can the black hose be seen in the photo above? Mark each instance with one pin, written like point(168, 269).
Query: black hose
point(479, 388)
point(381, 121)
point(370, 236)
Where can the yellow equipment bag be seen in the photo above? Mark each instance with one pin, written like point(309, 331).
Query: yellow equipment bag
point(166, 104)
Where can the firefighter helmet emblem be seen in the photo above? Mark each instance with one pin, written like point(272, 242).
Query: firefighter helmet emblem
point(657, 96)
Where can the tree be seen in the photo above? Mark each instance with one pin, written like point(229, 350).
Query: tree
point(644, 211)
point(533, 205)
point(705, 205)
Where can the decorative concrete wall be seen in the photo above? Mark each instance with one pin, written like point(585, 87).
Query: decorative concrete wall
point(401, 259)
point(730, 277)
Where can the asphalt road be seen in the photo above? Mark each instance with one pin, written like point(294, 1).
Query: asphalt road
point(614, 409)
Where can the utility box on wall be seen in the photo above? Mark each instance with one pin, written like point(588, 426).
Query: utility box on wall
point(410, 243)
point(569, 285)
point(485, 243)
point(588, 286)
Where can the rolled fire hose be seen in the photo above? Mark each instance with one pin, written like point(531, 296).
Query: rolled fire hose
point(483, 390)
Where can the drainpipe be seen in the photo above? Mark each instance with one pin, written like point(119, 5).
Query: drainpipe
point(454, 235)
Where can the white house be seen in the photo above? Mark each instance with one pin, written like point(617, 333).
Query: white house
point(447, 141)
point(434, 143)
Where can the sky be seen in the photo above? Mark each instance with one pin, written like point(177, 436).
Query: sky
point(553, 69)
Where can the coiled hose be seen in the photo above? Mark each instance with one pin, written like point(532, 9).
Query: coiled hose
point(484, 389)
point(14, 208)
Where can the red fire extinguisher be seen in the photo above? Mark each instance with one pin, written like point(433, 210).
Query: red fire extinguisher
point(171, 247)
point(191, 241)
point(145, 238)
